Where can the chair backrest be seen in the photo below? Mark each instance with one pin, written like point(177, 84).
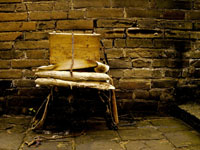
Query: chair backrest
point(86, 49)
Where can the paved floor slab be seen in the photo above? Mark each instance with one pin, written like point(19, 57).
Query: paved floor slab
point(149, 133)
point(12, 131)
point(169, 124)
point(184, 138)
point(162, 144)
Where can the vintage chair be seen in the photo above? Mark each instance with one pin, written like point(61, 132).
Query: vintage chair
point(70, 56)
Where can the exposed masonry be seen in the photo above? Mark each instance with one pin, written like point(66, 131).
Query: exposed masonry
point(152, 47)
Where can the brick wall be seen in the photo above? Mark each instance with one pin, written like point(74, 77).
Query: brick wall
point(152, 47)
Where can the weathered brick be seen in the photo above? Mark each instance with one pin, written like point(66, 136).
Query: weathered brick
point(9, 36)
point(123, 94)
point(177, 34)
point(174, 15)
point(32, 44)
point(195, 45)
point(173, 53)
point(23, 83)
point(144, 33)
point(75, 24)
point(120, 63)
point(164, 83)
point(17, 26)
point(171, 4)
point(10, 74)
point(91, 3)
point(138, 73)
point(10, 1)
point(194, 15)
point(18, 54)
point(163, 43)
point(77, 13)
point(139, 43)
point(28, 74)
point(4, 64)
point(173, 73)
point(140, 63)
point(115, 53)
point(105, 13)
point(6, 45)
point(20, 7)
point(132, 12)
point(41, 25)
point(131, 84)
point(61, 5)
point(171, 63)
point(120, 43)
point(194, 35)
point(196, 25)
point(192, 54)
point(128, 73)
point(168, 24)
point(195, 63)
point(13, 16)
point(156, 93)
point(116, 73)
point(186, 72)
point(6, 55)
point(40, 15)
point(28, 63)
point(144, 53)
point(179, 45)
point(140, 94)
point(37, 54)
point(107, 43)
point(116, 23)
point(36, 35)
point(157, 73)
point(40, 6)
point(147, 23)
point(110, 33)
point(7, 7)
point(129, 3)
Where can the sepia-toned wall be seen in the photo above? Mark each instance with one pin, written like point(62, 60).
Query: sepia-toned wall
point(152, 47)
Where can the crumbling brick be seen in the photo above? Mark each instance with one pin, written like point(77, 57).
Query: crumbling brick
point(75, 24)
point(10, 74)
point(47, 15)
point(37, 54)
point(77, 13)
point(9, 36)
point(40, 6)
point(7, 7)
point(17, 26)
point(28, 63)
point(89, 3)
point(5, 64)
point(131, 84)
point(13, 16)
point(32, 44)
point(105, 13)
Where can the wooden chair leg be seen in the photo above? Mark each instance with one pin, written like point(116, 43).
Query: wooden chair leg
point(114, 108)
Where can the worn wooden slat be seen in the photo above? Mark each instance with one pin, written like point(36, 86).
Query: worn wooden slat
point(77, 76)
point(86, 47)
point(86, 84)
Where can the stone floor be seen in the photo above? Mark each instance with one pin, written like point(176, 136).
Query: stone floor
point(192, 108)
point(145, 133)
